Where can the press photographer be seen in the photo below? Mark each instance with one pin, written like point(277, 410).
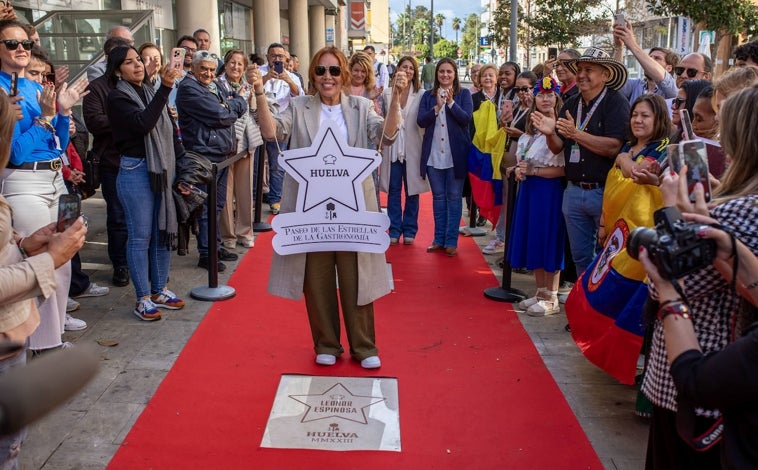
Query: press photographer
point(726, 380)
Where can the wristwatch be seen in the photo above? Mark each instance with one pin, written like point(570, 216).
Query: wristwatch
point(674, 308)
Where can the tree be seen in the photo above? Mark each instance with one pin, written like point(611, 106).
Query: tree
point(445, 48)
point(500, 26)
point(470, 37)
point(456, 24)
point(563, 23)
point(723, 16)
point(439, 20)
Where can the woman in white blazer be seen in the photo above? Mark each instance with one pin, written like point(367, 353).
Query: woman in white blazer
point(401, 161)
point(313, 274)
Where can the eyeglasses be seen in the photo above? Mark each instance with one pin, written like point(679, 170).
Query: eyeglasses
point(12, 44)
point(523, 89)
point(676, 102)
point(334, 70)
point(691, 73)
point(191, 50)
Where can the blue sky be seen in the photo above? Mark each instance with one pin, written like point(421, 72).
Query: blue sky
point(449, 8)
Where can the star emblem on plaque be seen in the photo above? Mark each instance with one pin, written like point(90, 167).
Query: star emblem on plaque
point(330, 214)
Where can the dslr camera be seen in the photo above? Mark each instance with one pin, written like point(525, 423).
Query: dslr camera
point(672, 245)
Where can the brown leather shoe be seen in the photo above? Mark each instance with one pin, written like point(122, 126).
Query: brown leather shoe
point(451, 251)
point(434, 247)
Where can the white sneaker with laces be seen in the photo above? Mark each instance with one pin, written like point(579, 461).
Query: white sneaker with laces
point(72, 305)
point(495, 246)
point(93, 290)
point(74, 324)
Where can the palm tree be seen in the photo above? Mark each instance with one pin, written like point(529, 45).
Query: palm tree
point(439, 19)
point(456, 27)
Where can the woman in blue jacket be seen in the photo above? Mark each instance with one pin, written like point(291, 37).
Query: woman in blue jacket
point(445, 111)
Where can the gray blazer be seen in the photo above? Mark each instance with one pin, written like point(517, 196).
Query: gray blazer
point(413, 138)
point(300, 123)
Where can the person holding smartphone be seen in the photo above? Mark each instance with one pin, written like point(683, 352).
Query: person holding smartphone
point(281, 85)
point(33, 181)
point(711, 301)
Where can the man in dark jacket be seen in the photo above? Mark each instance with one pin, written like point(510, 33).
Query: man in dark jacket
point(93, 109)
point(206, 118)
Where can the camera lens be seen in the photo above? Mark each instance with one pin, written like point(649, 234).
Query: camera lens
point(641, 236)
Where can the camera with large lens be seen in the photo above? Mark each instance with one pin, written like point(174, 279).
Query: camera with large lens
point(672, 245)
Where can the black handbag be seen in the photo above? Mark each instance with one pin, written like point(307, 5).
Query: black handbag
point(91, 164)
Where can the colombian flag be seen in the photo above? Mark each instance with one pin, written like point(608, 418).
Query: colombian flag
point(484, 158)
point(605, 307)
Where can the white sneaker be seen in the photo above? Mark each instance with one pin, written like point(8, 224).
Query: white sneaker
point(72, 305)
point(563, 297)
point(495, 246)
point(565, 287)
point(247, 242)
point(326, 359)
point(74, 324)
point(93, 290)
point(229, 244)
point(371, 362)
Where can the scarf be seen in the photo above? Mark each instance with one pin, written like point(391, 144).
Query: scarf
point(161, 164)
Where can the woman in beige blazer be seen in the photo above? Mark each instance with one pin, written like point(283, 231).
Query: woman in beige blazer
point(401, 161)
point(362, 276)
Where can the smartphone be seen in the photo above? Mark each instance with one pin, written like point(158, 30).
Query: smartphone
point(552, 52)
point(14, 84)
point(674, 158)
point(278, 66)
point(177, 58)
point(695, 156)
point(619, 19)
point(686, 124)
point(69, 209)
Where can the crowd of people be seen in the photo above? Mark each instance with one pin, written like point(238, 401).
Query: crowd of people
point(579, 136)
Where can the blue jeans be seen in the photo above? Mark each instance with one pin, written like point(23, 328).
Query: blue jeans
point(402, 221)
point(115, 220)
point(447, 204)
point(202, 221)
point(582, 209)
point(149, 260)
point(275, 172)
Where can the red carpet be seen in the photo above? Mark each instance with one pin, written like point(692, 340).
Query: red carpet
point(473, 391)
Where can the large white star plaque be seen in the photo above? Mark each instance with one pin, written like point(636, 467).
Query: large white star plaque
point(331, 212)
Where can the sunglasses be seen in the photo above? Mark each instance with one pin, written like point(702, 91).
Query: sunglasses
point(207, 55)
point(676, 102)
point(523, 89)
point(691, 73)
point(12, 44)
point(49, 77)
point(334, 70)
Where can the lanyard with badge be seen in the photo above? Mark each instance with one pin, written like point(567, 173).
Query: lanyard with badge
point(581, 125)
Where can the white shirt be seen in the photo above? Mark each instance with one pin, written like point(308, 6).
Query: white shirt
point(279, 89)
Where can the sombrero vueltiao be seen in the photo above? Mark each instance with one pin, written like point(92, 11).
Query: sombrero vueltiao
point(600, 57)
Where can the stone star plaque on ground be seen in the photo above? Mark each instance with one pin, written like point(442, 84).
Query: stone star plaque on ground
point(330, 214)
point(334, 413)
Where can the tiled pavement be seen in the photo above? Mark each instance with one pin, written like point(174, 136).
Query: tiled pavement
point(86, 432)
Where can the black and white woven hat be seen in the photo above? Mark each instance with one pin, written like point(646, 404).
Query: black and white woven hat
point(594, 55)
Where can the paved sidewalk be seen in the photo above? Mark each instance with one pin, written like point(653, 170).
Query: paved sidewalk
point(86, 432)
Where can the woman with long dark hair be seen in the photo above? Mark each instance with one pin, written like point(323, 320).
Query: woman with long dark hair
point(146, 138)
point(445, 112)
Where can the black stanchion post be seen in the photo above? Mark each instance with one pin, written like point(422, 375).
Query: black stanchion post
point(504, 292)
point(213, 291)
point(259, 226)
point(472, 230)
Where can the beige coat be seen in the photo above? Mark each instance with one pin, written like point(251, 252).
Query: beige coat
point(300, 123)
point(413, 137)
